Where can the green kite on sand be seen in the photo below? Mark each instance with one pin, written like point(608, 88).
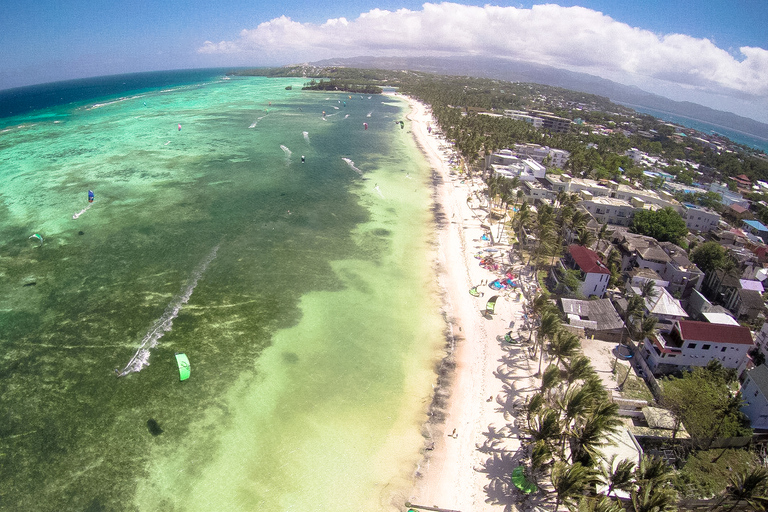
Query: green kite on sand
point(522, 483)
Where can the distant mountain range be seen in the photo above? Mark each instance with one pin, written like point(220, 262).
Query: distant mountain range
point(517, 71)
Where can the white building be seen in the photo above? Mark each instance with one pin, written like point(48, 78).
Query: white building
point(525, 170)
point(610, 211)
point(754, 391)
point(692, 344)
point(698, 218)
point(594, 274)
point(664, 307)
point(518, 115)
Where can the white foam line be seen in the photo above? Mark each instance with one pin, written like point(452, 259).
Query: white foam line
point(164, 324)
point(352, 165)
point(82, 211)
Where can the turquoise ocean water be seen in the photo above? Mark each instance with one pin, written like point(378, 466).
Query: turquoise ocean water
point(301, 292)
point(708, 128)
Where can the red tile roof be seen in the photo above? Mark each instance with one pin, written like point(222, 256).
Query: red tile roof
point(715, 333)
point(587, 260)
point(738, 208)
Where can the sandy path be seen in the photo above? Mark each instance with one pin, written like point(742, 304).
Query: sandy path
point(470, 471)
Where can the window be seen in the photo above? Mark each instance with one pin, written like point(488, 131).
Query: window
point(705, 347)
point(691, 345)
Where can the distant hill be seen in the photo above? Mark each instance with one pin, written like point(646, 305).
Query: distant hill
point(517, 71)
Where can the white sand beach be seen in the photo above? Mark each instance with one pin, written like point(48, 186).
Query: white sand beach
point(476, 447)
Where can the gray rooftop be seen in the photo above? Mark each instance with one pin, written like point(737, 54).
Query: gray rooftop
point(600, 314)
point(759, 374)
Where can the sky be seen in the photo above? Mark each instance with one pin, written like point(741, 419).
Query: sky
point(712, 52)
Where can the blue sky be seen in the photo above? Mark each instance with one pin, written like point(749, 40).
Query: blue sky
point(710, 52)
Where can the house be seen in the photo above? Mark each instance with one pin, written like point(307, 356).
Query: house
point(742, 297)
point(699, 308)
point(663, 306)
point(692, 344)
point(683, 275)
point(598, 318)
point(756, 228)
point(594, 275)
point(754, 392)
point(699, 218)
point(738, 213)
point(642, 251)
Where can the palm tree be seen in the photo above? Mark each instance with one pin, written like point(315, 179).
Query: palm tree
point(550, 379)
point(544, 426)
point(635, 308)
point(653, 499)
point(645, 327)
point(648, 289)
point(653, 492)
point(751, 486)
point(653, 470)
point(570, 483)
point(585, 237)
point(539, 305)
point(598, 504)
point(548, 328)
point(564, 345)
point(592, 432)
point(618, 475)
point(579, 368)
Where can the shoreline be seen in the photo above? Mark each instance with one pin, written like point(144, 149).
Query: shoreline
point(470, 439)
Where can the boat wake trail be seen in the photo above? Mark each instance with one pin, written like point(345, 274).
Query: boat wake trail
point(287, 151)
point(351, 164)
point(141, 358)
point(82, 211)
point(306, 136)
point(257, 121)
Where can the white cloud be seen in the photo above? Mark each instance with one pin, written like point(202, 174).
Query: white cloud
point(575, 38)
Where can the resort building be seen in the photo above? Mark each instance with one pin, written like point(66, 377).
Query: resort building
point(556, 157)
point(541, 120)
point(692, 344)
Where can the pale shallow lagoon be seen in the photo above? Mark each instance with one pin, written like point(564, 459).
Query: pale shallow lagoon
point(312, 319)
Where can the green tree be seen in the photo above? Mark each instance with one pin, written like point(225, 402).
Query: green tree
point(709, 256)
point(702, 401)
point(618, 475)
point(548, 327)
point(570, 482)
point(751, 487)
point(665, 225)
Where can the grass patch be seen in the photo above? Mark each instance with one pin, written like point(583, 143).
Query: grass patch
point(635, 388)
point(703, 478)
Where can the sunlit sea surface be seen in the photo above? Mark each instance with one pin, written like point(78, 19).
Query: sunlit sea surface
point(302, 293)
